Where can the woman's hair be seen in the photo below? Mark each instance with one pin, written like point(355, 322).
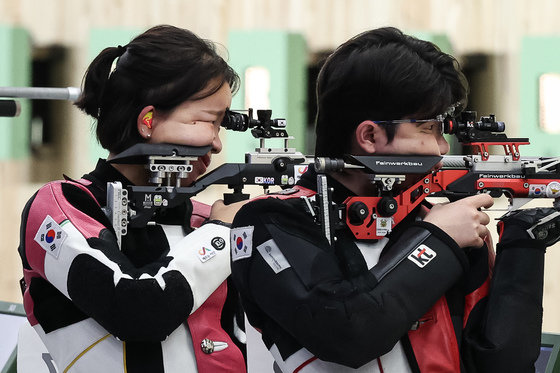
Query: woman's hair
point(382, 74)
point(163, 67)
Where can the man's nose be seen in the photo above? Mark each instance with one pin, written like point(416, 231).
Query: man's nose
point(443, 145)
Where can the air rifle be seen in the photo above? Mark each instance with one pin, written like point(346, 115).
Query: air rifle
point(168, 164)
point(518, 178)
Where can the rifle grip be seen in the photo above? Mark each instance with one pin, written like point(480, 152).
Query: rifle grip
point(230, 198)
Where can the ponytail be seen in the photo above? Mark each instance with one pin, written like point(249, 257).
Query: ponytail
point(95, 81)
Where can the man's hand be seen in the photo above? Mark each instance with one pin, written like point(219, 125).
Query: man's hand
point(541, 224)
point(462, 220)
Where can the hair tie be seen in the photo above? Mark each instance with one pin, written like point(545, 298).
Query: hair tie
point(121, 49)
point(122, 57)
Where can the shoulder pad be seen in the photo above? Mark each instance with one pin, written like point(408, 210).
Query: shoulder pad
point(294, 192)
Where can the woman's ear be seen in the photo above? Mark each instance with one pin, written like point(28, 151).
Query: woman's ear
point(144, 122)
point(365, 137)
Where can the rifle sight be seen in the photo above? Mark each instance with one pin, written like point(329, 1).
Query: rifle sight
point(467, 120)
point(241, 122)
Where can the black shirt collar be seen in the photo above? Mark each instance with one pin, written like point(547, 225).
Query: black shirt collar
point(103, 173)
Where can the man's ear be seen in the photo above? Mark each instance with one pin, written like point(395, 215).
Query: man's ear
point(144, 122)
point(366, 136)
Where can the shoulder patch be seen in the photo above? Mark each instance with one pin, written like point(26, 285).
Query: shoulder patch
point(273, 256)
point(50, 236)
point(422, 255)
point(241, 242)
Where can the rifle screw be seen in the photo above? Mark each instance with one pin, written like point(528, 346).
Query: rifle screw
point(481, 184)
point(485, 154)
point(525, 185)
point(426, 190)
point(506, 160)
point(426, 181)
point(244, 179)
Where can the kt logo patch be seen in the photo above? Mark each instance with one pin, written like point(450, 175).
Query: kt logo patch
point(422, 255)
point(50, 236)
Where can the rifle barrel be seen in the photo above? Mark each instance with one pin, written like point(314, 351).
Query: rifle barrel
point(41, 93)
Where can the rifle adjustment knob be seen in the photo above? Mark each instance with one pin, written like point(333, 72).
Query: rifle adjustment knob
point(280, 164)
point(357, 213)
point(387, 206)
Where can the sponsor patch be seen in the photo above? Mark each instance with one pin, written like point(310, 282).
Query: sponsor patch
point(273, 256)
point(241, 242)
point(422, 255)
point(218, 243)
point(50, 236)
point(383, 226)
point(298, 171)
point(553, 189)
point(206, 253)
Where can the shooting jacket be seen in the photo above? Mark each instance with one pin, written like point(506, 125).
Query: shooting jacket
point(154, 306)
point(413, 301)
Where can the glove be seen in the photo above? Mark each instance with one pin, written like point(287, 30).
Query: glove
point(540, 224)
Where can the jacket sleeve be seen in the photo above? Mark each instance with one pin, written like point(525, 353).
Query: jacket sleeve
point(68, 242)
point(503, 331)
point(289, 276)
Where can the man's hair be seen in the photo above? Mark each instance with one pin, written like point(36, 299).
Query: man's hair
point(164, 66)
point(382, 74)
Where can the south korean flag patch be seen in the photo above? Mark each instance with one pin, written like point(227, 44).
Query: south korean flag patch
point(241, 242)
point(50, 236)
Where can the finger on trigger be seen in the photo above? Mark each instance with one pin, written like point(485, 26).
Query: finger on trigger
point(482, 200)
